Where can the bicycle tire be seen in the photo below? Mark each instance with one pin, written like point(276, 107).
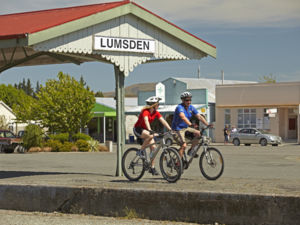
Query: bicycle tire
point(216, 166)
point(170, 165)
point(135, 162)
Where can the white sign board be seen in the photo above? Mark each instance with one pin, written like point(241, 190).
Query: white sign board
point(271, 111)
point(124, 44)
point(160, 91)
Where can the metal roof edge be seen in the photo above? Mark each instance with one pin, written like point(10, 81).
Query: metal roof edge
point(174, 30)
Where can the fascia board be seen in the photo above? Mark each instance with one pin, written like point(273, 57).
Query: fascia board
point(174, 31)
point(79, 24)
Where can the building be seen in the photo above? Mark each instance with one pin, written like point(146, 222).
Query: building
point(273, 107)
point(8, 119)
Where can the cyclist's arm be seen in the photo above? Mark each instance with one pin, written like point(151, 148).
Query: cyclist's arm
point(165, 123)
point(186, 120)
point(202, 119)
point(147, 123)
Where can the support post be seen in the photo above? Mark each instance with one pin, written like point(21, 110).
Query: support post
point(120, 100)
point(104, 129)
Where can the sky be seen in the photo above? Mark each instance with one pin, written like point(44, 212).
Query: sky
point(254, 38)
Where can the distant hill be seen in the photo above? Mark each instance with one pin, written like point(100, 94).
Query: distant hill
point(132, 90)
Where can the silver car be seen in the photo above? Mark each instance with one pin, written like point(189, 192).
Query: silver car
point(250, 136)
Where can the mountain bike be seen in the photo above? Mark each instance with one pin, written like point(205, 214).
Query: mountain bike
point(211, 161)
point(136, 161)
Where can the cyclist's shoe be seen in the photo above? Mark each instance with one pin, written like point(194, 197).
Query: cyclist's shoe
point(141, 153)
point(185, 164)
point(153, 171)
point(190, 153)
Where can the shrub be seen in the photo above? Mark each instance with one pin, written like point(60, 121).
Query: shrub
point(81, 136)
point(102, 148)
point(83, 146)
point(66, 147)
point(93, 145)
point(55, 145)
point(62, 137)
point(32, 136)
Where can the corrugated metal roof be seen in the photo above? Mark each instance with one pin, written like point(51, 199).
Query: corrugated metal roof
point(19, 24)
point(209, 84)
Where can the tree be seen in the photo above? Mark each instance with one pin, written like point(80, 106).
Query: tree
point(64, 105)
point(268, 79)
point(99, 94)
point(19, 101)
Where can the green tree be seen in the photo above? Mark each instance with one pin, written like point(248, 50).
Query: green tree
point(64, 105)
point(268, 79)
point(19, 101)
point(99, 94)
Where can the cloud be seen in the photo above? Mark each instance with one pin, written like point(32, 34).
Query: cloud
point(217, 13)
point(229, 13)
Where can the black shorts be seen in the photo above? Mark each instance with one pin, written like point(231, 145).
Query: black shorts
point(138, 131)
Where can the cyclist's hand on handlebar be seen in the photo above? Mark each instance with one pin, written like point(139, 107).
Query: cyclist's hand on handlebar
point(210, 125)
point(151, 132)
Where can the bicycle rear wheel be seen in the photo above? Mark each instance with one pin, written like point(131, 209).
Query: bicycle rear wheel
point(133, 165)
point(211, 164)
point(170, 165)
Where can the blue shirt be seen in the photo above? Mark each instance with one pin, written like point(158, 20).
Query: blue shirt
point(178, 123)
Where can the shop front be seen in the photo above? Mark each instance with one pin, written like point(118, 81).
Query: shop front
point(270, 107)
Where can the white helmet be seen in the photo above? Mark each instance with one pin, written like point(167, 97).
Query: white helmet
point(152, 100)
point(186, 94)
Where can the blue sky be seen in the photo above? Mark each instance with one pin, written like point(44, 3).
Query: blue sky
point(253, 38)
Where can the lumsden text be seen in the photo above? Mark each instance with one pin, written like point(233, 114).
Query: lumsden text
point(124, 44)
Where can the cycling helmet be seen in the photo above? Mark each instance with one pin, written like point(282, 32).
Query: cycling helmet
point(185, 94)
point(152, 100)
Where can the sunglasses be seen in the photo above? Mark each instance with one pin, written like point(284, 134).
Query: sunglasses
point(187, 100)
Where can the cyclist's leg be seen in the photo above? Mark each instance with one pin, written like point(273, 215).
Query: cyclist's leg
point(194, 138)
point(181, 141)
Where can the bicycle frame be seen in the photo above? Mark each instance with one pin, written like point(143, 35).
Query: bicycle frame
point(160, 145)
point(203, 142)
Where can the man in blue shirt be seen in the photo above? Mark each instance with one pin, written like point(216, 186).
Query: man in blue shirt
point(182, 120)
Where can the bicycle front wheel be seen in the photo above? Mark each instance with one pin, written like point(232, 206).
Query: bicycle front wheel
point(211, 164)
point(132, 165)
point(170, 165)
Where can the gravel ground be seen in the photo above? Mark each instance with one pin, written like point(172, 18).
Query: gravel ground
point(9, 217)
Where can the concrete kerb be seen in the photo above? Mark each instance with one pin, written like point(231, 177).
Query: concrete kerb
point(201, 207)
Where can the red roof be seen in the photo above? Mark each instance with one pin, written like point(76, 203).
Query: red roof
point(18, 24)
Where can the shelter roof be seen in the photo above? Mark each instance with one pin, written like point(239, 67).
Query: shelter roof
point(20, 24)
point(67, 35)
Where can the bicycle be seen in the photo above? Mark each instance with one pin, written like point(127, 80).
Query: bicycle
point(136, 161)
point(211, 161)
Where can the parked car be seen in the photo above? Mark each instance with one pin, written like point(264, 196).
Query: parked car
point(10, 142)
point(250, 136)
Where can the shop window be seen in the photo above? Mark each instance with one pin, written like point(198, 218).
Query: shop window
point(247, 118)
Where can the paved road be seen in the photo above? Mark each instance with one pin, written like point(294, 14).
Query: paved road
point(9, 217)
point(251, 170)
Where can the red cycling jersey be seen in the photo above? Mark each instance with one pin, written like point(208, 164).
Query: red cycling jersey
point(151, 117)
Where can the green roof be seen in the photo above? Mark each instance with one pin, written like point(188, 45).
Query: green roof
point(102, 110)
